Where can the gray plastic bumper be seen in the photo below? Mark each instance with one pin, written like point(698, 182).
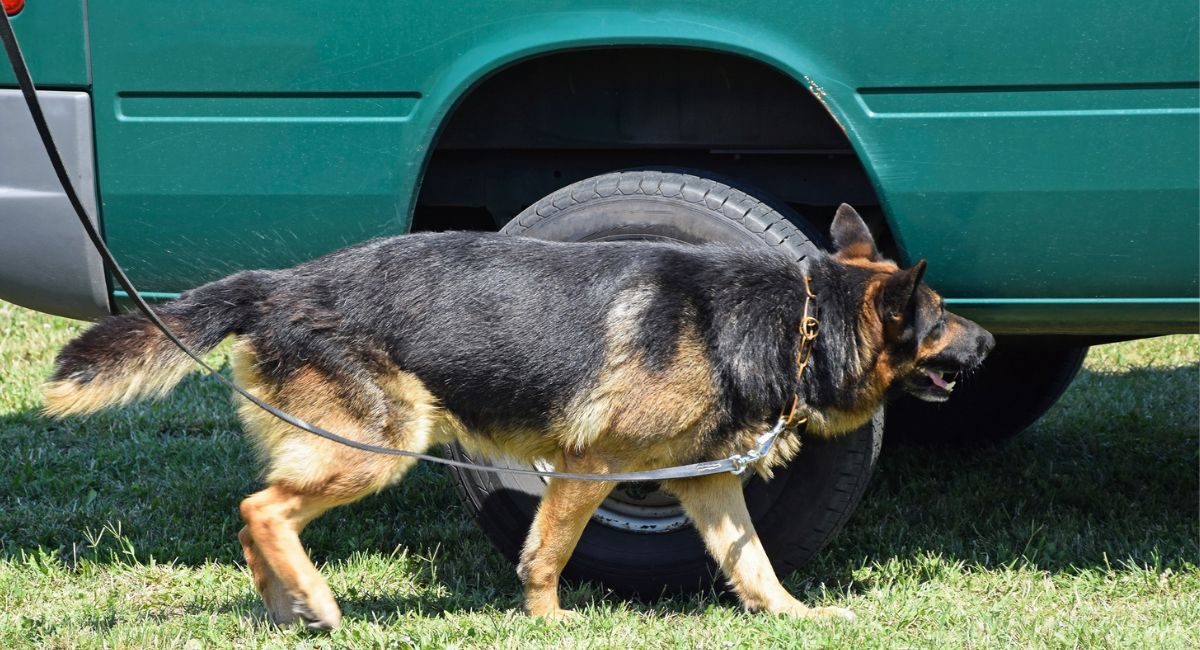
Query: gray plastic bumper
point(46, 260)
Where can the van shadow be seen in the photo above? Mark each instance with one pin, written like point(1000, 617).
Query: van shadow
point(1109, 476)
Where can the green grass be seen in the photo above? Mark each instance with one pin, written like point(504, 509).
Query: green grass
point(119, 531)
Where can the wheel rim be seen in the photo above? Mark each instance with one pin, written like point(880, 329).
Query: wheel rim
point(640, 507)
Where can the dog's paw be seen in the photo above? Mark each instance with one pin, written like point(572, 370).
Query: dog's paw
point(317, 614)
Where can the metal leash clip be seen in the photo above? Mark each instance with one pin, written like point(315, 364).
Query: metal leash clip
point(765, 442)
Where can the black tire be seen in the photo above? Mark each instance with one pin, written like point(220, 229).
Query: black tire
point(1020, 380)
point(796, 514)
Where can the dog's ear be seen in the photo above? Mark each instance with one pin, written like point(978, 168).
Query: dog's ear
point(851, 238)
point(898, 300)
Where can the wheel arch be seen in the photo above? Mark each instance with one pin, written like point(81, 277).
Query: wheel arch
point(560, 34)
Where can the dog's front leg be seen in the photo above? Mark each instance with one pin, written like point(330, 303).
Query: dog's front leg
point(561, 517)
point(717, 508)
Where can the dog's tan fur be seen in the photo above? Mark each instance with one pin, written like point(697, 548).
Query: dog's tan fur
point(632, 404)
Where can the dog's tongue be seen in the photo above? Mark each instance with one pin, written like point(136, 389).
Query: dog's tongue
point(936, 378)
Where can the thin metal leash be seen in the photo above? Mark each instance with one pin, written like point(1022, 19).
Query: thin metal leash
point(735, 464)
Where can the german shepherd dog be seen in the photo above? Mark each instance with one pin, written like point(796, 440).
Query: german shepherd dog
point(598, 357)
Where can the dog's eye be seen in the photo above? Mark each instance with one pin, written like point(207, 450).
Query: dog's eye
point(938, 328)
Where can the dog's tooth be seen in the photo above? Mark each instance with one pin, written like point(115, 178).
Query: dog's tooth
point(950, 386)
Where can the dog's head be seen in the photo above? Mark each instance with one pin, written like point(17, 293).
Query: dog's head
point(920, 347)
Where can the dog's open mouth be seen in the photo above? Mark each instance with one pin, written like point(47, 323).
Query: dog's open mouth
point(931, 384)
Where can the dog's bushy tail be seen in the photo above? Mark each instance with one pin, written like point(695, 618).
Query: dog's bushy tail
point(126, 357)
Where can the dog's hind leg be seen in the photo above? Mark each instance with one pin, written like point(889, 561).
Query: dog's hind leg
point(307, 475)
point(561, 517)
point(717, 508)
point(305, 481)
point(290, 585)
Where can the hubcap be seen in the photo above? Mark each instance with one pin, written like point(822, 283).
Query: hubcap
point(641, 507)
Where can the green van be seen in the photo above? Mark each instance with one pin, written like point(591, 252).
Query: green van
point(1044, 157)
